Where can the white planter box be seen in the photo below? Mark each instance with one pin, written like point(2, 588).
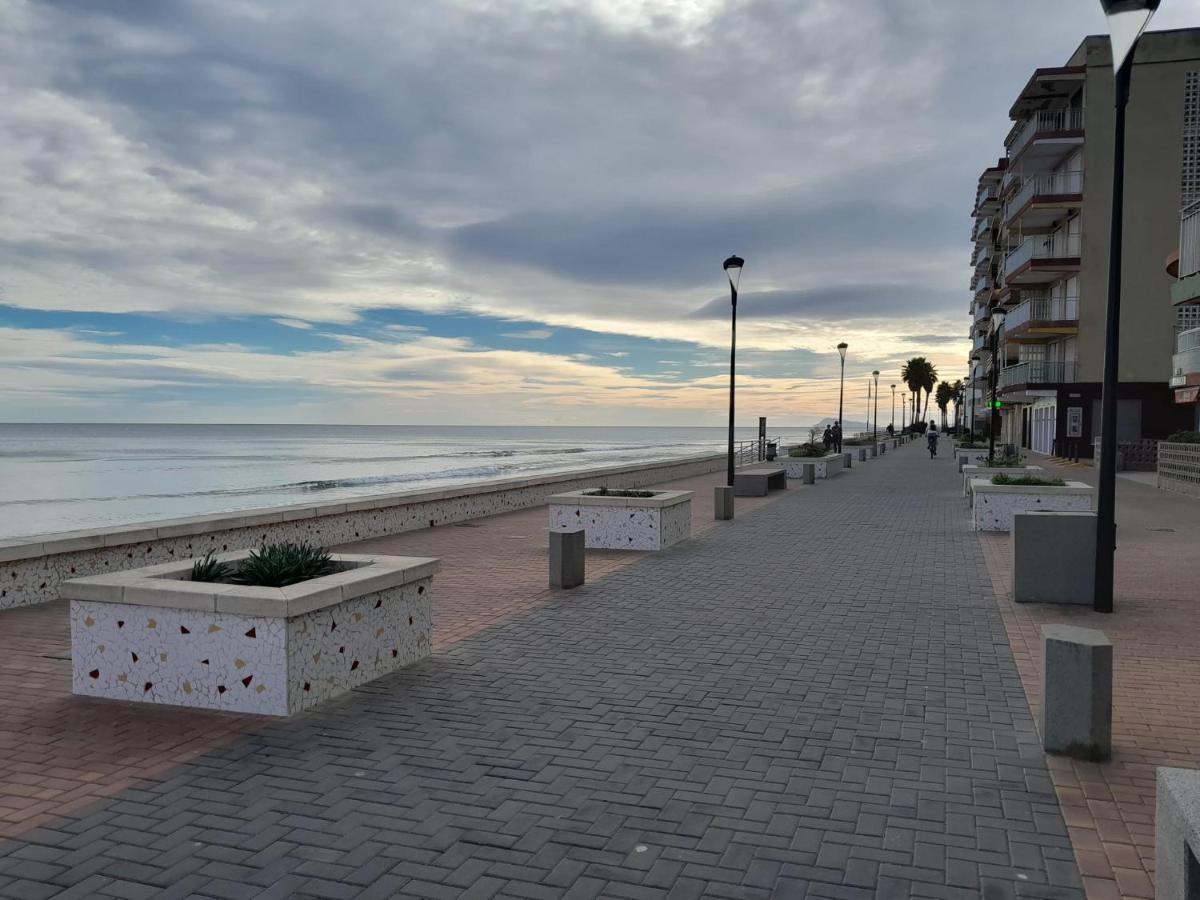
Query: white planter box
point(974, 457)
point(825, 466)
point(995, 504)
point(152, 635)
point(986, 472)
point(624, 523)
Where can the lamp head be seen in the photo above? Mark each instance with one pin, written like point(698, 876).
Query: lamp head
point(842, 350)
point(1127, 19)
point(733, 268)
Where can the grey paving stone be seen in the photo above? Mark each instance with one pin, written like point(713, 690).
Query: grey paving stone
point(817, 701)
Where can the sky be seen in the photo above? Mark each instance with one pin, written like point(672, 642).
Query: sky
point(494, 211)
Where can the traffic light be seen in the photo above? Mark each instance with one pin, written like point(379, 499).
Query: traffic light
point(997, 404)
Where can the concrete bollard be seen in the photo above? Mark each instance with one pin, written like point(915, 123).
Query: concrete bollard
point(862, 454)
point(566, 559)
point(962, 461)
point(1076, 692)
point(847, 460)
point(874, 449)
point(723, 503)
point(1054, 557)
point(810, 473)
point(1177, 834)
point(883, 448)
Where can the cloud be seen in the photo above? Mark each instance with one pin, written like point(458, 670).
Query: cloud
point(533, 334)
point(294, 323)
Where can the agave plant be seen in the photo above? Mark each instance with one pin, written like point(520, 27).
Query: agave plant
point(210, 569)
point(278, 565)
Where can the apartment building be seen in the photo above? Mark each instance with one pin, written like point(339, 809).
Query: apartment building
point(1041, 233)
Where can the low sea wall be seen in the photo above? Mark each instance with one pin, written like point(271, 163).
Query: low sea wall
point(31, 569)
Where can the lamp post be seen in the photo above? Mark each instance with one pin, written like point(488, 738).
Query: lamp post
point(733, 270)
point(892, 422)
point(974, 379)
point(1127, 19)
point(993, 412)
point(903, 413)
point(875, 430)
point(868, 427)
point(841, 348)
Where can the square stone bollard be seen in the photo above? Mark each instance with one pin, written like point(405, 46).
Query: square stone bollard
point(1054, 557)
point(810, 473)
point(883, 448)
point(566, 559)
point(1177, 835)
point(862, 454)
point(723, 503)
point(1077, 666)
point(847, 460)
point(874, 449)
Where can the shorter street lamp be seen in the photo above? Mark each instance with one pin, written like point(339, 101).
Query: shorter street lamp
point(841, 348)
point(868, 427)
point(875, 430)
point(994, 406)
point(893, 420)
point(733, 269)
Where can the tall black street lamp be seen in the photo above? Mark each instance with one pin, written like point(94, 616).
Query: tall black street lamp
point(1127, 19)
point(973, 380)
point(993, 406)
point(868, 427)
point(875, 430)
point(841, 348)
point(733, 270)
point(892, 422)
point(903, 413)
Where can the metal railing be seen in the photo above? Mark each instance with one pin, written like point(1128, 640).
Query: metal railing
point(983, 283)
point(986, 193)
point(1189, 240)
point(1046, 122)
point(1043, 309)
point(1055, 246)
point(983, 226)
point(1039, 372)
point(980, 342)
point(1053, 184)
point(1184, 364)
point(747, 453)
point(982, 255)
point(1187, 340)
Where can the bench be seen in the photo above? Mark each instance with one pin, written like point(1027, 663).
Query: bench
point(757, 481)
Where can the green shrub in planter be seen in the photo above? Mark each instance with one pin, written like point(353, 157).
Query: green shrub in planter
point(210, 569)
point(278, 565)
point(808, 451)
point(1006, 462)
point(1185, 437)
point(1028, 480)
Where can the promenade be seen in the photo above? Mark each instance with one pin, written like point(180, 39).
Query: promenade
point(816, 700)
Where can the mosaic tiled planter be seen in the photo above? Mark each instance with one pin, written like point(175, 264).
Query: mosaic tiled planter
point(624, 523)
point(995, 504)
point(986, 472)
point(151, 636)
point(972, 456)
point(825, 466)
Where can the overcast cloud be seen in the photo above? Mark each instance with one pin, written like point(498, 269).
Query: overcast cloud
point(550, 167)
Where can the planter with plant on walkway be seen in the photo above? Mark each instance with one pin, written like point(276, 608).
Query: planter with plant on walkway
point(970, 454)
point(624, 520)
point(984, 471)
point(996, 502)
point(825, 464)
point(271, 631)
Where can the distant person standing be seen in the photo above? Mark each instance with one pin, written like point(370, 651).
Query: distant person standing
point(827, 438)
point(931, 438)
point(837, 436)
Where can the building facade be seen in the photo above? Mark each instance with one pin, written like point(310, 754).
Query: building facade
point(1041, 233)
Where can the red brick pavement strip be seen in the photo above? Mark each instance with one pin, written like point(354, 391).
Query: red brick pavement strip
point(59, 753)
point(1155, 630)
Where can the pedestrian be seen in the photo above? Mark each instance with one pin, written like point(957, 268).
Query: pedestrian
point(827, 438)
point(837, 436)
point(931, 438)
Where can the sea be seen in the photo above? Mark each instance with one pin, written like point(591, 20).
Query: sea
point(64, 477)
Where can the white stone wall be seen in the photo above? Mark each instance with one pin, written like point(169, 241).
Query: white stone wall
point(993, 510)
point(248, 664)
point(625, 527)
point(30, 572)
point(825, 466)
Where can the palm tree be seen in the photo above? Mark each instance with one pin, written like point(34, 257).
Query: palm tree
point(920, 375)
point(945, 393)
point(960, 392)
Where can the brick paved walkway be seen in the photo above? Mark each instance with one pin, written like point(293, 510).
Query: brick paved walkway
point(1155, 630)
point(814, 701)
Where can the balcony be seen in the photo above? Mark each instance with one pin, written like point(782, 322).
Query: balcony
point(983, 285)
point(1186, 291)
point(981, 313)
point(1185, 364)
point(1045, 199)
point(983, 228)
point(1048, 133)
point(979, 342)
point(1041, 259)
point(982, 256)
point(987, 201)
point(1029, 374)
point(1042, 318)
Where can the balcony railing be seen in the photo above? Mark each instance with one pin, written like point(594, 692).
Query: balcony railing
point(1061, 309)
point(982, 312)
point(986, 194)
point(1055, 184)
point(979, 343)
point(1057, 246)
point(1040, 372)
point(983, 284)
point(1187, 340)
point(983, 226)
point(1044, 123)
point(982, 256)
point(1189, 240)
point(1184, 364)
